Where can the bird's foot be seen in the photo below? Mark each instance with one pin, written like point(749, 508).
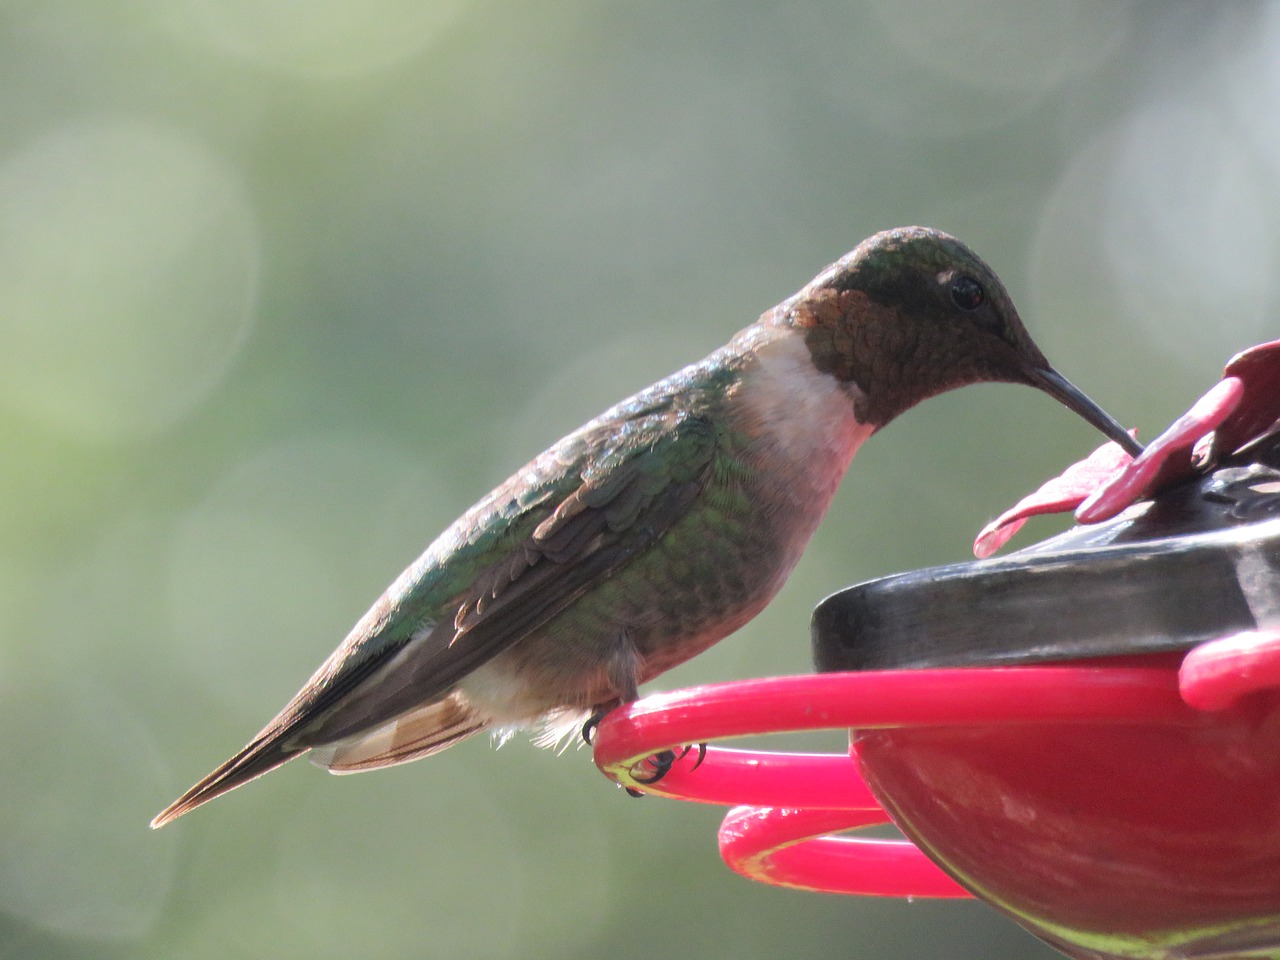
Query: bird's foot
point(660, 765)
point(593, 722)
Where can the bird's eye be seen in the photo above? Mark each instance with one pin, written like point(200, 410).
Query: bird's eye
point(966, 292)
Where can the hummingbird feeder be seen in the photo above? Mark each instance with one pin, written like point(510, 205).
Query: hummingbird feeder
point(1084, 734)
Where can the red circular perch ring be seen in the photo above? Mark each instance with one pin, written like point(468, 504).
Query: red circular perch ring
point(791, 804)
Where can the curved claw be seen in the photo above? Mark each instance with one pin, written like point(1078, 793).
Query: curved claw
point(662, 762)
point(589, 728)
point(702, 755)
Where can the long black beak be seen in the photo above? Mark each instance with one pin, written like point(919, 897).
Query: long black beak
point(1070, 396)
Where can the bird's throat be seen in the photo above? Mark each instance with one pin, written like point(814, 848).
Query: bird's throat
point(800, 420)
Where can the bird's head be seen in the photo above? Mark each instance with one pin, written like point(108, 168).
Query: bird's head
point(912, 313)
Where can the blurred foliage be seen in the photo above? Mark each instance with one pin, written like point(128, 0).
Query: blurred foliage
point(285, 286)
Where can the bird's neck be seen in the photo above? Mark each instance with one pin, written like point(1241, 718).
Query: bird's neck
point(800, 420)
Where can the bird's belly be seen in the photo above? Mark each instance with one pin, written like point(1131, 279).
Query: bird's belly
point(568, 663)
point(666, 606)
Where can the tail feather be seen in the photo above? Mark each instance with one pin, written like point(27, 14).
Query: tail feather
point(419, 733)
point(261, 756)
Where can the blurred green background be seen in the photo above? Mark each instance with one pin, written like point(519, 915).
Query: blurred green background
point(285, 286)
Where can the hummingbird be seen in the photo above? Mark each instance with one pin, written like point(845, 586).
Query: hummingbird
point(658, 528)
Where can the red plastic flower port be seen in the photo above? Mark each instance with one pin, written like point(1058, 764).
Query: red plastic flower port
point(1115, 792)
point(1241, 409)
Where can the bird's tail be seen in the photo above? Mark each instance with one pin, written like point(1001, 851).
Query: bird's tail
point(418, 733)
point(264, 754)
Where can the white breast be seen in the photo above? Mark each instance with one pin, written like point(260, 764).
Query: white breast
point(800, 418)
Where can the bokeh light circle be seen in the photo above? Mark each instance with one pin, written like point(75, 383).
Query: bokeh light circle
point(81, 772)
point(1161, 224)
point(1024, 50)
point(131, 268)
point(265, 573)
point(941, 71)
point(1185, 232)
point(314, 38)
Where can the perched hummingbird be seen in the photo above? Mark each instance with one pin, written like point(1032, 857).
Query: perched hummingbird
point(660, 527)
